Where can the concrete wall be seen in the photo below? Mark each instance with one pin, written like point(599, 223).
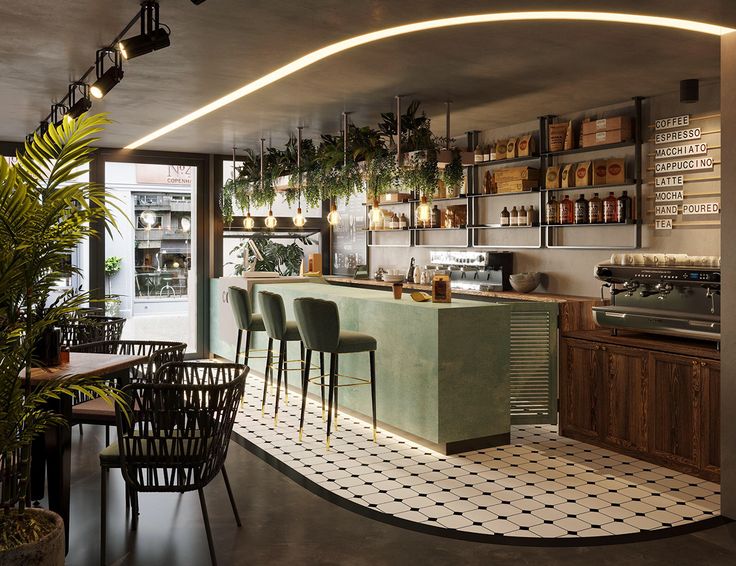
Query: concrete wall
point(570, 271)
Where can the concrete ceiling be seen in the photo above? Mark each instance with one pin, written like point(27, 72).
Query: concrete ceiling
point(496, 74)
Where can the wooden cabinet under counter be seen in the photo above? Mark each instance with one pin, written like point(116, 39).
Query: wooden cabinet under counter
point(655, 398)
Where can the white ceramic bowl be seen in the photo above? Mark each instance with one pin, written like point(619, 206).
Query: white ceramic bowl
point(525, 282)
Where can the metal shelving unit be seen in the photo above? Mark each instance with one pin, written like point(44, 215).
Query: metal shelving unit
point(553, 231)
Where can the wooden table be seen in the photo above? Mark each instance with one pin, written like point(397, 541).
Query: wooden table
point(55, 448)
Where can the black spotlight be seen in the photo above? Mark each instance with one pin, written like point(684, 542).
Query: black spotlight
point(197, 2)
point(153, 36)
point(79, 101)
point(58, 111)
point(106, 78)
point(689, 91)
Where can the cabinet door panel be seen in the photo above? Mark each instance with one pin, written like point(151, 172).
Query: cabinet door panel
point(674, 408)
point(626, 395)
point(581, 376)
point(710, 373)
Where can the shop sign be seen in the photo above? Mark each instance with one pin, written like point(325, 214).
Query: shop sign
point(700, 148)
point(665, 210)
point(695, 164)
point(663, 224)
point(678, 136)
point(163, 174)
point(668, 196)
point(701, 208)
point(669, 181)
point(672, 122)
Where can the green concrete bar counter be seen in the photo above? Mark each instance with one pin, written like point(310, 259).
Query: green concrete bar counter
point(442, 368)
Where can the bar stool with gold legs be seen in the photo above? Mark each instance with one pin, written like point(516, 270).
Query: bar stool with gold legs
point(247, 322)
point(284, 331)
point(319, 326)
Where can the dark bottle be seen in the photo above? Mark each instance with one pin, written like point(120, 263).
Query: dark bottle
point(410, 272)
point(505, 217)
point(435, 217)
point(624, 207)
point(521, 220)
point(595, 210)
point(552, 211)
point(514, 217)
point(610, 209)
point(581, 210)
point(567, 213)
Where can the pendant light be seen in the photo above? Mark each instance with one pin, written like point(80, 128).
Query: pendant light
point(299, 219)
point(333, 218)
point(376, 214)
point(248, 222)
point(270, 219)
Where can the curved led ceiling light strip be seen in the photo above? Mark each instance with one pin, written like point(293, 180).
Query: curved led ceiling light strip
point(358, 40)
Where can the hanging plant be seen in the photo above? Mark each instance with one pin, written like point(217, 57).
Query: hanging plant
point(454, 174)
point(380, 176)
point(421, 176)
point(416, 133)
point(308, 161)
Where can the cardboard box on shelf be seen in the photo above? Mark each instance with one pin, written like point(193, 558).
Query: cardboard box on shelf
point(516, 186)
point(599, 171)
point(615, 171)
point(395, 197)
point(606, 124)
point(605, 137)
point(567, 176)
point(552, 177)
point(526, 146)
point(511, 148)
point(583, 174)
point(501, 149)
point(515, 174)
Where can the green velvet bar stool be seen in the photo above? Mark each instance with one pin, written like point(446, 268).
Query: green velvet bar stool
point(247, 322)
point(319, 326)
point(284, 331)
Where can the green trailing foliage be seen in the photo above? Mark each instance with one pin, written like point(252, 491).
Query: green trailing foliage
point(284, 259)
point(45, 211)
point(454, 174)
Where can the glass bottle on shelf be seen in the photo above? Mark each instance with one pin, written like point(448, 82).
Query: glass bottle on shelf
point(595, 210)
point(492, 151)
point(394, 222)
point(623, 210)
point(435, 217)
point(566, 211)
point(581, 210)
point(552, 210)
point(514, 220)
point(403, 222)
point(530, 214)
point(521, 221)
point(610, 209)
point(478, 154)
point(505, 217)
point(486, 153)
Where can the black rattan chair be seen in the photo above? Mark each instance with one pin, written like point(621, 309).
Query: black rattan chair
point(96, 410)
point(177, 437)
point(91, 328)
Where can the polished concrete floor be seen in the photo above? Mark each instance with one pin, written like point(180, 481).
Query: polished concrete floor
point(285, 524)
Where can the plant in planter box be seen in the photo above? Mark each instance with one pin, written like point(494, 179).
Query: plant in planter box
point(45, 211)
point(284, 259)
point(416, 133)
point(453, 175)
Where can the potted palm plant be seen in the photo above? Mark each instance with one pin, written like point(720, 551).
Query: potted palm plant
point(45, 211)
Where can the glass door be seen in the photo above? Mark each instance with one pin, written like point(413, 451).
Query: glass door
point(150, 263)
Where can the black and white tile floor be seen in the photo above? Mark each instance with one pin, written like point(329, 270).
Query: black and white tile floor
point(541, 486)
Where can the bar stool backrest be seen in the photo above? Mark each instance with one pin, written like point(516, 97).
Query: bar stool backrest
point(240, 303)
point(318, 322)
point(274, 314)
point(179, 429)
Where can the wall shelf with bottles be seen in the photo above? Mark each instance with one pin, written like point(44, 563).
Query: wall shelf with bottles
point(503, 226)
point(515, 193)
point(441, 199)
point(629, 234)
point(439, 228)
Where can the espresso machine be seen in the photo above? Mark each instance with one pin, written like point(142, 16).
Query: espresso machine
point(674, 295)
point(473, 270)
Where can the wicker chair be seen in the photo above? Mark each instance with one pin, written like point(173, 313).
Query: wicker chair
point(91, 328)
point(177, 437)
point(96, 410)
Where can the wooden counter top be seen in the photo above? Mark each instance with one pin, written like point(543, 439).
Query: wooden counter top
point(576, 313)
point(672, 345)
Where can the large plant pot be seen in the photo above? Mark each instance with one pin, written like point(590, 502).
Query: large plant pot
point(47, 551)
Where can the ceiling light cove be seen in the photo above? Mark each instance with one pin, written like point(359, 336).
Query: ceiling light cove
point(358, 40)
